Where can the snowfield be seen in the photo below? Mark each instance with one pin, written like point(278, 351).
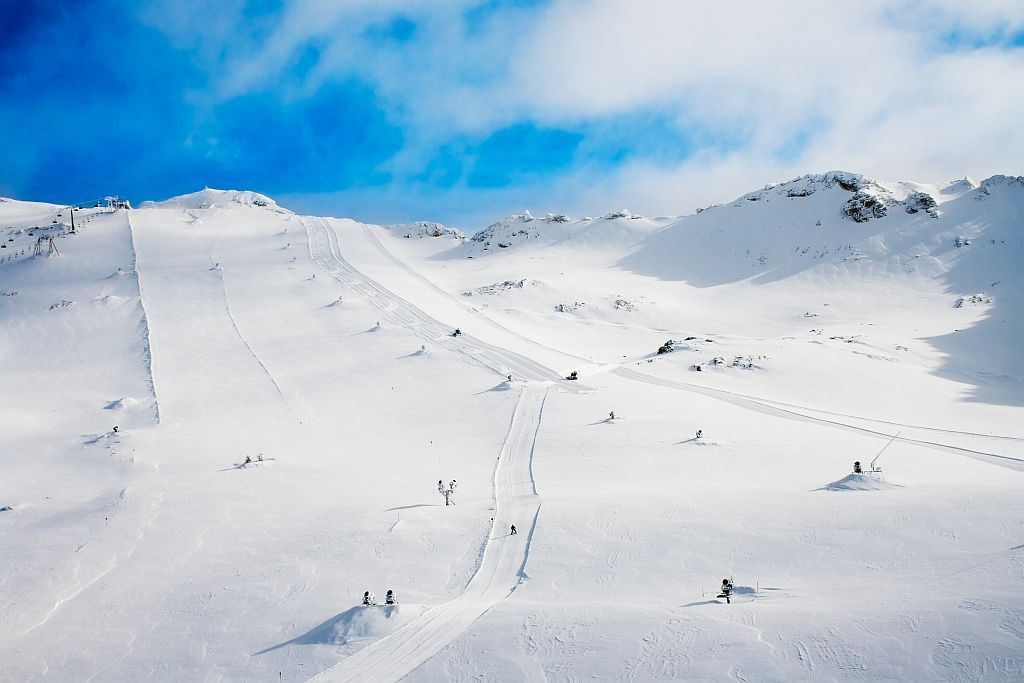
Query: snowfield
point(287, 392)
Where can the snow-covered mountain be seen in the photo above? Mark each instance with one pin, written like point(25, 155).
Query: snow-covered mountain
point(615, 229)
point(424, 229)
point(208, 198)
point(224, 422)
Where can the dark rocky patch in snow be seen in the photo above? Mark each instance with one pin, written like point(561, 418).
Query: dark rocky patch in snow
point(622, 213)
point(421, 229)
point(690, 343)
point(502, 286)
point(864, 206)
point(921, 201)
point(518, 228)
point(739, 362)
point(973, 300)
point(569, 308)
point(623, 304)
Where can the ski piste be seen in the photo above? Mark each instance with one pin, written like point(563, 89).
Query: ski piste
point(802, 414)
point(503, 563)
point(501, 570)
point(325, 251)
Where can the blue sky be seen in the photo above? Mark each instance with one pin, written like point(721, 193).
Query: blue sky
point(464, 110)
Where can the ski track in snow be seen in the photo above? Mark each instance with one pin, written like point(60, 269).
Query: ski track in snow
point(757, 405)
point(324, 250)
point(503, 564)
point(245, 342)
point(501, 570)
point(375, 241)
point(940, 430)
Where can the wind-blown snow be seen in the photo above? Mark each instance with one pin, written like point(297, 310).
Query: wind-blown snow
point(825, 314)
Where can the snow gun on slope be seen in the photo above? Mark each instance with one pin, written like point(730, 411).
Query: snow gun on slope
point(873, 468)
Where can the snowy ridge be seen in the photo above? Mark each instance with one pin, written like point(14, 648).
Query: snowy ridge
point(208, 198)
point(616, 229)
point(147, 343)
point(806, 185)
point(833, 218)
point(421, 229)
point(867, 199)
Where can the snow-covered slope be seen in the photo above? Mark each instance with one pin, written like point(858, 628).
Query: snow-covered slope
point(287, 394)
point(825, 220)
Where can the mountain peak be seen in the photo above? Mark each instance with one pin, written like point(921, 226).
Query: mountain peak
point(209, 198)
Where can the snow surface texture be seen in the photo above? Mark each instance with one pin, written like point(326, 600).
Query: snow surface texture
point(825, 315)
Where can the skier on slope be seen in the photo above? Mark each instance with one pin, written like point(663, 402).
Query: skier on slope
point(700, 433)
point(514, 532)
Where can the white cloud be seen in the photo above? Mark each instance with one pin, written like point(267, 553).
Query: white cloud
point(873, 86)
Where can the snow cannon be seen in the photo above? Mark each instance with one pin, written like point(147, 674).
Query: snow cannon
point(390, 598)
point(369, 599)
point(573, 375)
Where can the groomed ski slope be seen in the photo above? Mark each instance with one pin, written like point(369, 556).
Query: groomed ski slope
point(324, 250)
point(502, 569)
point(803, 414)
point(515, 492)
